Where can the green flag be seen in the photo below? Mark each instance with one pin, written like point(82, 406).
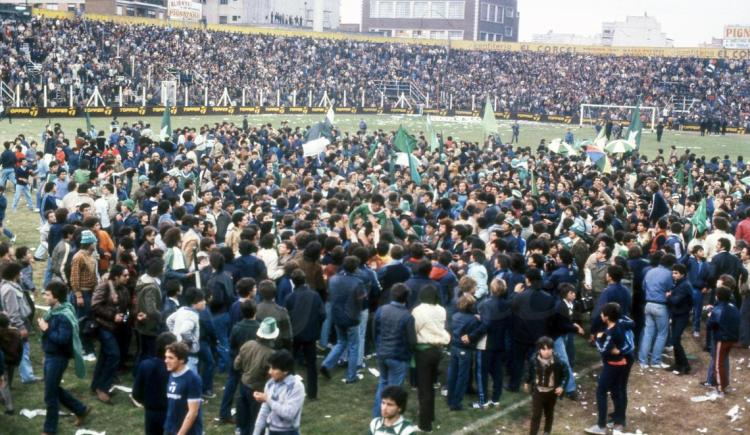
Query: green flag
point(441, 147)
point(698, 222)
point(636, 127)
point(432, 138)
point(166, 123)
point(88, 122)
point(489, 124)
point(680, 176)
point(372, 150)
point(534, 189)
point(690, 184)
point(403, 141)
point(413, 165)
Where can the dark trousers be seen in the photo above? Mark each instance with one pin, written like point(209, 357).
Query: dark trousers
point(207, 366)
point(230, 388)
point(84, 311)
point(247, 410)
point(146, 348)
point(459, 374)
point(54, 394)
point(679, 323)
point(428, 362)
point(611, 381)
point(155, 421)
point(123, 335)
point(542, 403)
point(107, 363)
point(490, 365)
point(307, 350)
point(521, 354)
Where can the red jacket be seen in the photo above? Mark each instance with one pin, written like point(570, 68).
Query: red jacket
point(743, 230)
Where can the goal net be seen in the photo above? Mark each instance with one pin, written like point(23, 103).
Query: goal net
point(592, 114)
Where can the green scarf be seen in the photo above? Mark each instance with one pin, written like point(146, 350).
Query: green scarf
point(66, 309)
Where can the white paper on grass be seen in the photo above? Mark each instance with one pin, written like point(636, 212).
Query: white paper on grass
point(315, 146)
point(31, 413)
point(122, 388)
point(89, 432)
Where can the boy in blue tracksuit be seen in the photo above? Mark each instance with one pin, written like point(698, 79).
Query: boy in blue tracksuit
point(466, 329)
point(724, 326)
point(699, 272)
point(679, 303)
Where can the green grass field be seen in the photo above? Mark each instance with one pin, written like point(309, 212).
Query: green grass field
point(340, 409)
point(460, 128)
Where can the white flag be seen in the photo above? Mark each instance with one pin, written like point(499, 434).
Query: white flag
point(330, 116)
point(315, 146)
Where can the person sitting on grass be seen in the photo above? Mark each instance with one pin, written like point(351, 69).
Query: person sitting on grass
point(392, 408)
point(546, 378)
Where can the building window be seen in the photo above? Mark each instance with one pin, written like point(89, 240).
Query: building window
point(222, 19)
point(385, 10)
point(455, 34)
point(456, 10)
point(235, 18)
point(72, 7)
point(421, 9)
point(438, 10)
point(223, 2)
point(402, 10)
point(509, 12)
point(437, 34)
point(508, 31)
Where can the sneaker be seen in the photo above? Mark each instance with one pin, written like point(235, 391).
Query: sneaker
point(645, 366)
point(668, 349)
point(596, 430)
point(90, 357)
point(444, 392)
point(697, 334)
point(477, 405)
point(660, 366)
point(208, 395)
point(492, 404)
point(708, 385)
point(32, 380)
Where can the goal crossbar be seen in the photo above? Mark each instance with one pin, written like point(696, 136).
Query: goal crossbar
point(582, 118)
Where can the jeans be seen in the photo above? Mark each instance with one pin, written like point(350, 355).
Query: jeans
point(106, 364)
point(679, 323)
point(325, 329)
point(392, 372)
point(154, 422)
point(363, 315)
point(23, 189)
point(25, 369)
point(230, 388)
point(207, 366)
point(7, 233)
point(559, 348)
point(85, 310)
point(7, 174)
point(222, 324)
point(54, 394)
point(697, 309)
point(654, 333)
point(307, 350)
point(542, 403)
point(146, 348)
point(247, 410)
point(458, 375)
point(521, 354)
point(570, 348)
point(47, 272)
point(490, 365)
point(192, 364)
point(346, 339)
point(610, 381)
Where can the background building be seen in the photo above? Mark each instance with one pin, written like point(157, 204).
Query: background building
point(64, 5)
point(635, 31)
point(293, 13)
point(478, 20)
point(566, 38)
point(140, 8)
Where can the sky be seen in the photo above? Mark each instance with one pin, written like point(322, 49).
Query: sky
point(687, 22)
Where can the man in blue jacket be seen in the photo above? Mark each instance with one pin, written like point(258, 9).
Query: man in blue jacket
point(614, 292)
point(395, 337)
point(680, 303)
point(345, 293)
point(655, 285)
point(699, 272)
point(724, 326)
point(306, 312)
point(420, 279)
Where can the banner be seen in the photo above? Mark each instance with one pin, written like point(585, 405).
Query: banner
point(227, 111)
point(737, 37)
point(184, 10)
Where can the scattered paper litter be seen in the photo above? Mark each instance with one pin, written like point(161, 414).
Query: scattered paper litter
point(734, 413)
point(89, 432)
point(31, 413)
point(373, 371)
point(704, 398)
point(702, 430)
point(122, 388)
point(328, 416)
point(642, 409)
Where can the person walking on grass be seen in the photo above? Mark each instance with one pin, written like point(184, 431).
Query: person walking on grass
point(392, 409)
point(183, 393)
point(282, 398)
point(150, 386)
point(723, 326)
point(60, 342)
point(546, 380)
point(680, 303)
point(611, 343)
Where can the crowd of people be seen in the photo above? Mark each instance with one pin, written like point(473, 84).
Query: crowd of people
point(299, 70)
point(223, 248)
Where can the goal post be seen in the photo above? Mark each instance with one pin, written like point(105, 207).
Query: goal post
point(592, 113)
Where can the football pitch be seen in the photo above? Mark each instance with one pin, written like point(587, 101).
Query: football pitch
point(460, 128)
